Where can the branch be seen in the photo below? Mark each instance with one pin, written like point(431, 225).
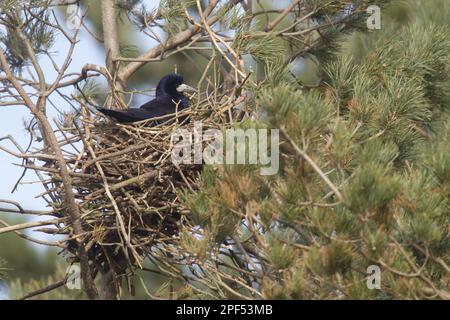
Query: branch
point(45, 289)
point(28, 225)
point(172, 43)
point(69, 196)
point(21, 210)
point(110, 35)
point(303, 154)
point(278, 19)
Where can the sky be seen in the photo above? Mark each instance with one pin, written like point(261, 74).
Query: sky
point(12, 122)
point(12, 117)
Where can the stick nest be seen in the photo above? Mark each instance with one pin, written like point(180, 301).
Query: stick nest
point(126, 184)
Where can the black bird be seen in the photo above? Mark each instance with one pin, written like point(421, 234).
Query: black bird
point(168, 100)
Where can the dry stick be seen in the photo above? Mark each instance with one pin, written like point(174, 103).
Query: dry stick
point(141, 178)
point(118, 153)
point(69, 196)
point(95, 36)
point(278, 19)
point(442, 263)
point(303, 154)
point(174, 42)
point(66, 64)
point(14, 203)
point(72, 174)
point(58, 244)
point(26, 156)
point(28, 225)
point(239, 282)
point(39, 71)
point(93, 67)
point(219, 281)
point(45, 289)
point(21, 210)
point(57, 3)
point(249, 259)
point(205, 71)
point(442, 294)
point(61, 129)
point(26, 237)
point(33, 212)
point(214, 37)
point(299, 20)
point(16, 144)
point(113, 202)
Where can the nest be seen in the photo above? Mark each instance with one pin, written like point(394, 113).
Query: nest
point(126, 184)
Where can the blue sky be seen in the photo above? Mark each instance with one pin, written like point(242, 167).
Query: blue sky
point(12, 120)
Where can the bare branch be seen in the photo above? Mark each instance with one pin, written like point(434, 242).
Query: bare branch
point(50, 138)
point(172, 43)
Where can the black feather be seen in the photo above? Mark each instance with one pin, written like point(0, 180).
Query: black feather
point(167, 101)
point(127, 116)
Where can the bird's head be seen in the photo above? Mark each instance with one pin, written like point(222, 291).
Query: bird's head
point(172, 85)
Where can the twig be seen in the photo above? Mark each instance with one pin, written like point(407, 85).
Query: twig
point(303, 154)
point(48, 288)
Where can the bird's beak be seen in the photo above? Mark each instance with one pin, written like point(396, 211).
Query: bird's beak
point(185, 88)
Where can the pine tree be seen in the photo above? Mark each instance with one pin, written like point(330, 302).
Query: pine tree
point(359, 206)
point(364, 176)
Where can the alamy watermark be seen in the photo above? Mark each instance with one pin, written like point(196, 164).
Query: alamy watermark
point(234, 146)
point(374, 19)
point(73, 16)
point(373, 277)
point(73, 274)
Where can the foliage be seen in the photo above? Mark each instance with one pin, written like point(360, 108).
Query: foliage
point(364, 173)
point(378, 128)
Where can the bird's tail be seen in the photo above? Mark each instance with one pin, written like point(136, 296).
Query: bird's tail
point(122, 116)
point(115, 114)
point(108, 112)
